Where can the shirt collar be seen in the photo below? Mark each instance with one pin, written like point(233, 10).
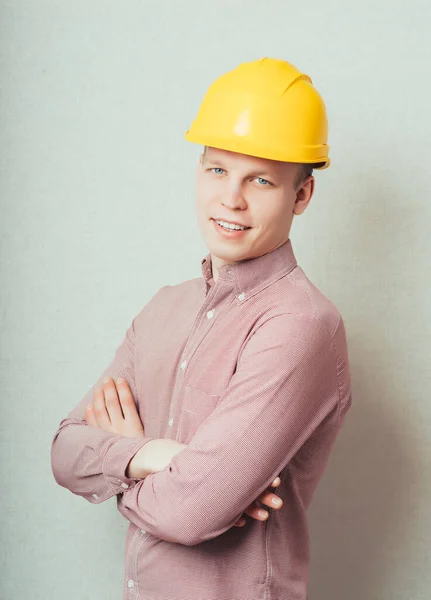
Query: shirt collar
point(253, 274)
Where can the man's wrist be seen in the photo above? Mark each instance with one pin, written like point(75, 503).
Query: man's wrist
point(153, 457)
point(138, 467)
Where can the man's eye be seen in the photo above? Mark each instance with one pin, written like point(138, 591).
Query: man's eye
point(217, 170)
point(262, 181)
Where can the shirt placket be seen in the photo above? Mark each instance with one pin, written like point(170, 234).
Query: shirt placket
point(215, 301)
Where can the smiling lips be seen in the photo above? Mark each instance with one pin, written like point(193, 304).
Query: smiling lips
point(227, 232)
point(232, 223)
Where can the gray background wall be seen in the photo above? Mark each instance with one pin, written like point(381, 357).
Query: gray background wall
point(97, 213)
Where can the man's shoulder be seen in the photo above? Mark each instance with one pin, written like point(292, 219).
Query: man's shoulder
point(302, 297)
point(173, 292)
point(169, 297)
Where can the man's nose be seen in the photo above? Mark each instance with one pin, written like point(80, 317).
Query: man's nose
point(234, 196)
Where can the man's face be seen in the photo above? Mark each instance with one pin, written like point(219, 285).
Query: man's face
point(251, 191)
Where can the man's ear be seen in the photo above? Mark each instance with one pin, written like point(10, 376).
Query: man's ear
point(304, 195)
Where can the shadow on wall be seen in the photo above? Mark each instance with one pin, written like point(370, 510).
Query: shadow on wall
point(362, 510)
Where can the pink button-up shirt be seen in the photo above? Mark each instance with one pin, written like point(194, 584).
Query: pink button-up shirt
point(252, 373)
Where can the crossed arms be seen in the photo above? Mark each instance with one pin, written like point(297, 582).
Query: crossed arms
point(284, 387)
point(114, 410)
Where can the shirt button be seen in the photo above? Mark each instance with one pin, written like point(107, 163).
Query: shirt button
point(95, 496)
point(130, 583)
point(183, 364)
point(143, 531)
point(170, 422)
point(124, 485)
point(210, 313)
point(241, 296)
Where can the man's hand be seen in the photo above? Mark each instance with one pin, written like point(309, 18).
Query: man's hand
point(267, 498)
point(114, 409)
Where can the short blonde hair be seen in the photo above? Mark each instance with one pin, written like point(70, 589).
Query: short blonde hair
point(305, 171)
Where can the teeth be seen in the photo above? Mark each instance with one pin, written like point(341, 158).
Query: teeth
point(229, 226)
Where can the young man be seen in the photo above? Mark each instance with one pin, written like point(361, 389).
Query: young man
point(229, 380)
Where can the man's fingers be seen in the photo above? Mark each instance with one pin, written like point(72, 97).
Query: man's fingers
point(270, 499)
point(90, 416)
point(127, 402)
point(115, 409)
point(112, 403)
point(133, 425)
point(99, 408)
point(256, 512)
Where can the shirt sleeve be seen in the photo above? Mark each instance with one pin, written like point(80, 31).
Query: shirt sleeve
point(91, 462)
point(284, 386)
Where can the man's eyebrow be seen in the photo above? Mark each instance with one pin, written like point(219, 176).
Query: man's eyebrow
point(214, 161)
point(252, 173)
point(263, 174)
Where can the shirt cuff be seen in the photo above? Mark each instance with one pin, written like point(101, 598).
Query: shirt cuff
point(117, 458)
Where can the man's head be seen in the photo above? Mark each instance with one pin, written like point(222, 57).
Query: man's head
point(260, 193)
point(264, 127)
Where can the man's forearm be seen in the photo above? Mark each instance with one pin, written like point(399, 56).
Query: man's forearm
point(153, 457)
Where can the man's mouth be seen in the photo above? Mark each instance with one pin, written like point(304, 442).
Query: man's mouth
point(229, 233)
point(227, 226)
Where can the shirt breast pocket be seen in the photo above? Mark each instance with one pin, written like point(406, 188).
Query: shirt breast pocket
point(197, 406)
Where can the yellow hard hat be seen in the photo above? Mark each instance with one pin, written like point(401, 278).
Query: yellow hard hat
point(265, 108)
